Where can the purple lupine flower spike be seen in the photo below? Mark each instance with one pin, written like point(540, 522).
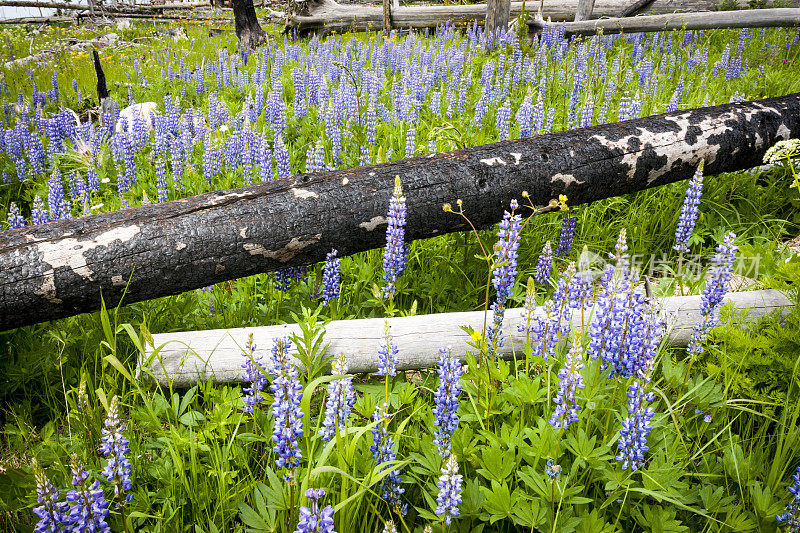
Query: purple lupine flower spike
point(567, 235)
point(253, 375)
point(504, 277)
point(341, 399)
point(114, 446)
point(15, 219)
point(689, 211)
point(449, 497)
point(88, 509)
point(394, 255)
point(39, 214)
point(570, 380)
point(387, 354)
point(314, 519)
point(446, 400)
point(716, 287)
point(288, 392)
point(791, 516)
point(50, 512)
point(331, 278)
point(636, 427)
point(544, 267)
point(383, 452)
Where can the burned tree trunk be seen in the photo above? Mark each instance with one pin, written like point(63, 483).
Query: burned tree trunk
point(62, 268)
point(497, 15)
point(248, 30)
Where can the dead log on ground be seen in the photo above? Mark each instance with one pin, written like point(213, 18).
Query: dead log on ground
point(754, 18)
point(326, 16)
point(39, 20)
point(100, 42)
point(191, 356)
point(61, 268)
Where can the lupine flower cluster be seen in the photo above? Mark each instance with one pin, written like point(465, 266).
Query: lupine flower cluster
point(714, 292)
point(341, 399)
point(636, 427)
point(791, 516)
point(114, 446)
point(286, 409)
point(387, 354)
point(330, 278)
point(544, 267)
point(570, 381)
point(88, 509)
point(51, 511)
point(566, 236)
point(504, 276)
point(253, 375)
point(446, 400)
point(449, 497)
point(313, 519)
point(689, 211)
point(394, 255)
point(383, 452)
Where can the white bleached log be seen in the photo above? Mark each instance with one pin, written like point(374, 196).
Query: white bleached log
point(187, 357)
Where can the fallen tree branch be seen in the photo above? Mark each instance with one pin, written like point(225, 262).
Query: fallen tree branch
point(753, 18)
point(636, 8)
point(100, 42)
point(326, 16)
point(184, 358)
point(61, 268)
point(39, 20)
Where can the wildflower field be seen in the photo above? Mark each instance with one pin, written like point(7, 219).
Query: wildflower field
point(594, 424)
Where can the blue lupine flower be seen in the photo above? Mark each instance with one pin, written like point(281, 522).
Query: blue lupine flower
point(387, 354)
point(411, 140)
point(253, 375)
point(55, 198)
point(284, 277)
point(689, 211)
point(282, 157)
point(161, 180)
point(341, 399)
point(636, 427)
point(330, 278)
point(544, 267)
point(552, 470)
point(394, 255)
point(114, 446)
point(449, 497)
point(88, 509)
point(39, 214)
point(15, 219)
point(791, 517)
point(314, 519)
point(504, 277)
point(51, 512)
point(570, 380)
point(286, 409)
point(503, 120)
point(716, 287)
point(566, 236)
point(382, 452)
point(446, 400)
point(580, 290)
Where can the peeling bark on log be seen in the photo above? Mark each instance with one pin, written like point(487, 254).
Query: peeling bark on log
point(326, 16)
point(188, 357)
point(59, 269)
point(755, 18)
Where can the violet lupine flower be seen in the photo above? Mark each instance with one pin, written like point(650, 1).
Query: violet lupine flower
point(88, 509)
point(330, 278)
point(503, 120)
point(15, 219)
point(552, 470)
point(314, 519)
point(341, 399)
point(114, 446)
point(39, 214)
point(580, 290)
point(566, 236)
point(282, 156)
point(544, 267)
point(504, 277)
point(449, 497)
point(446, 400)
point(411, 140)
point(689, 211)
point(286, 409)
point(51, 512)
point(382, 452)
point(716, 287)
point(636, 427)
point(570, 380)
point(253, 375)
point(55, 198)
point(394, 255)
point(791, 517)
point(387, 354)
point(161, 179)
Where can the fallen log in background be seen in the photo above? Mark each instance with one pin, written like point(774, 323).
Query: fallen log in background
point(61, 268)
point(325, 16)
point(191, 356)
point(755, 18)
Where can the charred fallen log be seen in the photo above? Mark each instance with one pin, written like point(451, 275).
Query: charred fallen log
point(62, 268)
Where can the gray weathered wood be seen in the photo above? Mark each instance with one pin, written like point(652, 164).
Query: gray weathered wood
point(325, 16)
point(755, 18)
point(62, 268)
point(584, 11)
point(186, 357)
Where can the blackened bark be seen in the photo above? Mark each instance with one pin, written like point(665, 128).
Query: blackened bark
point(248, 30)
point(102, 90)
point(60, 269)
